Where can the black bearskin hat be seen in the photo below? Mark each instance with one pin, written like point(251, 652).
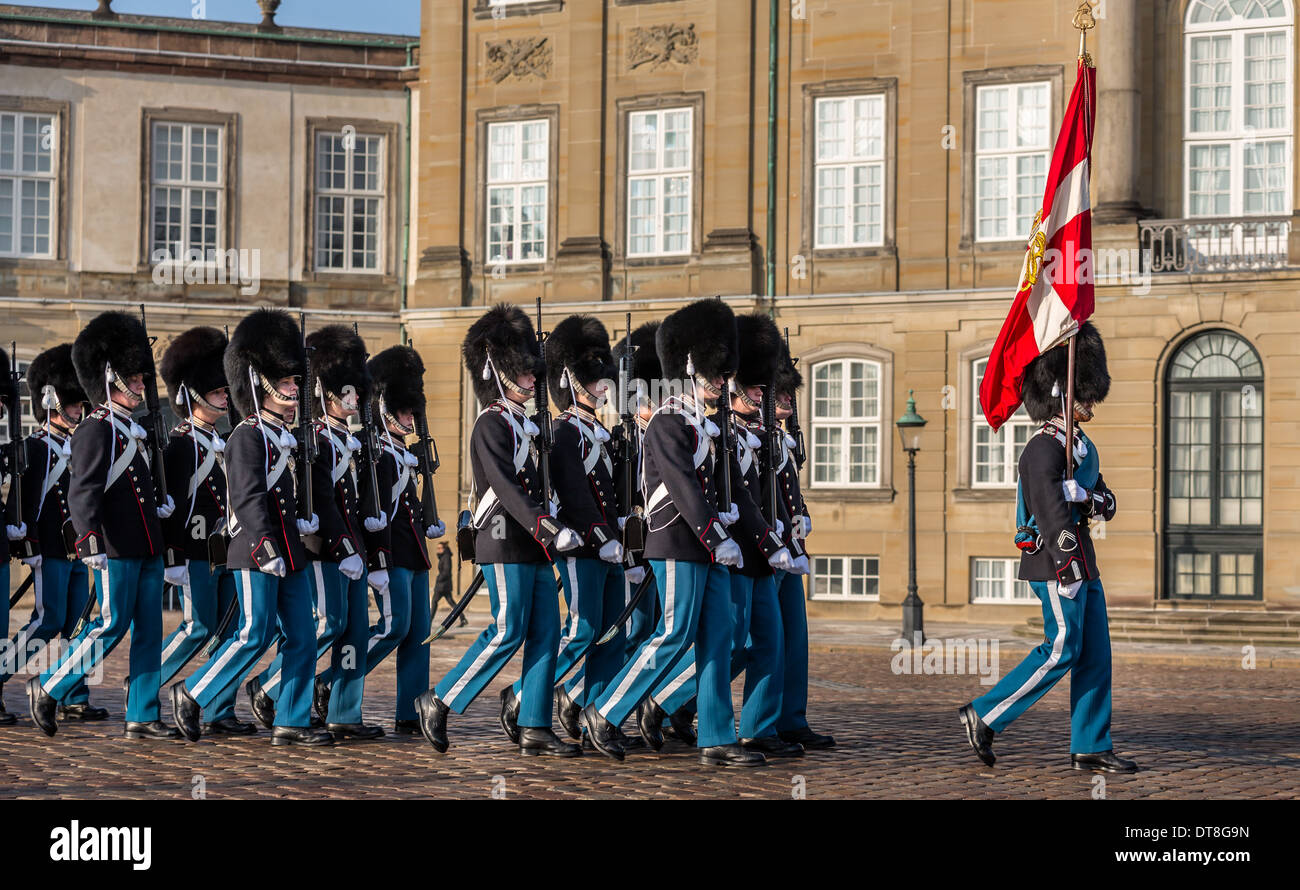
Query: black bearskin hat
point(397, 374)
point(505, 332)
point(1091, 377)
point(8, 391)
point(114, 338)
point(788, 378)
point(581, 344)
point(193, 360)
point(269, 342)
point(761, 350)
point(338, 360)
point(54, 367)
point(704, 331)
point(645, 360)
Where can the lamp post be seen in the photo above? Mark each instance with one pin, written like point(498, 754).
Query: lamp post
point(909, 431)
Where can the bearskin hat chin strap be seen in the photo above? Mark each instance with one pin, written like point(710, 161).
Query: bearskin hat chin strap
point(490, 370)
point(579, 391)
point(745, 400)
point(391, 420)
point(259, 382)
point(191, 396)
point(50, 402)
point(113, 380)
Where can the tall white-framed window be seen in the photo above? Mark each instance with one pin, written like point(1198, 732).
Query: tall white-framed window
point(846, 423)
point(1238, 111)
point(518, 176)
point(350, 202)
point(187, 190)
point(1012, 151)
point(29, 146)
point(850, 171)
point(995, 457)
point(993, 580)
point(846, 577)
point(659, 182)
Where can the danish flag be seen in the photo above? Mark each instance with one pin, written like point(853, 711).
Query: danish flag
point(1049, 308)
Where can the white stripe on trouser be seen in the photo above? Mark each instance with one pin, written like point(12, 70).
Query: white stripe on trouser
point(571, 566)
point(322, 619)
point(491, 647)
point(212, 668)
point(627, 601)
point(1057, 645)
point(676, 683)
point(106, 618)
point(386, 616)
point(20, 644)
point(186, 629)
point(651, 649)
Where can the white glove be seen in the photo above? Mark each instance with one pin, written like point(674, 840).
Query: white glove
point(16, 532)
point(567, 539)
point(780, 529)
point(34, 561)
point(96, 563)
point(166, 508)
point(275, 567)
point(802, 527)
point(781, 560)
point(612, 551)
point(308, 526)
point(800, 566)
point(376, 523)
point(378, 581)
point(728, 554)
point(635, 575)
point(352, 567)
point(731, 516)
point(622, 521)
point(177, 576)
point(1069, 591)
point(437, 530)
point(1074, 492)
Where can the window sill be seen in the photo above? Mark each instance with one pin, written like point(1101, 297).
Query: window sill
point(364, 279)
point(484, 9)
point(33, 262)
point(984, 495)
point(843, 598)
point(988, 602)
point(993, 246)
point(676, 259)
point(887, 251)
point(851, 495)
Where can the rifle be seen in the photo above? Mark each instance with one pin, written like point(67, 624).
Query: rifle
point(724, 442)
point(634, 524)
point(428, 455)
point(641, 589)
point(459, 608)
point(17, 451)
point(772, 430)
point(543, 416)
point(370, 451)
point(156, 425)
point(306, 433)
point(800, 451)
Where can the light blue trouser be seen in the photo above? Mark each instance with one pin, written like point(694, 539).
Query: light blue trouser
point(130, 598)
point(695, 605)
point(525, 612)
point(204, 600)
point(403, 626)
point(593, 592)
point(1078, 640)
point(794, 620)
point(642, 622)
point(264, 601)
point(61, 589)
point(757, 649)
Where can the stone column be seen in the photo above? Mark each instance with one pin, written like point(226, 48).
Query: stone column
point(1117, 142)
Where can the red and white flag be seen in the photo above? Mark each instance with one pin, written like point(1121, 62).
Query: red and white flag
point(1053, 298)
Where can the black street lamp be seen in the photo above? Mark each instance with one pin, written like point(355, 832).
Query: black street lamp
point(909, 431)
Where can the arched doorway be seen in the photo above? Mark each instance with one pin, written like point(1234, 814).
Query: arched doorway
point(1214, 469)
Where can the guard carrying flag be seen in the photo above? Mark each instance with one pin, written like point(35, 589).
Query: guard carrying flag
point(517, 534)
point(116, 518)
point(59, 581)
point(399, 556)
point(264, 363)
point(196, 533)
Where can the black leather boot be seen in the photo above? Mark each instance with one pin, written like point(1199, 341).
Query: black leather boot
point(534, 740)
point(567, 710)
point(85, 712)
point(6, 719)
point(627, 741)
point(42, 707)
point(510, 714)
point(187, 713)
point(730, 755)
point(1103, 761)
point(683, 723)
point(601, 733)
point(406, 727)
point(360, 731)
point(811, 741)
point(154, 729)
point(978, 735)
point(229, 726)
point(650, 721)
point(773, 746)
point(262, 704)
point(433, 719)
point(301, 735)
point(320, 699)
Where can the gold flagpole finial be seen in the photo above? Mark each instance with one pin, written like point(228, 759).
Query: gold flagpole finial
point(1084, 21)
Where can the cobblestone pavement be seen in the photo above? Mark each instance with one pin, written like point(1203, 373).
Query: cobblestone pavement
point(1198, 730)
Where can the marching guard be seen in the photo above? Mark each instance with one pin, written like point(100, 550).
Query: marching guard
point(196, 533)
point(399, 557)
point(60, 583)
point(516, 537)
point(264, 363)
point(116, 516)
point(1058, 561)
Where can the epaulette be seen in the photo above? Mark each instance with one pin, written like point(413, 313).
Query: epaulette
point(182, 428)
point(250, 420)
point(100, 413)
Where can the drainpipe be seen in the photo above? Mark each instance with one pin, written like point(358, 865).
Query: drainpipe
point(406, 196)
point(771, 157)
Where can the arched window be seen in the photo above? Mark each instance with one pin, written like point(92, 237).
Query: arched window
point(1238, 113)
point(846, 402)
point(1214, 477)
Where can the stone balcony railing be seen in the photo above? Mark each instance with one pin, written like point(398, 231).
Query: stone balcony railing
point(1214, 244)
